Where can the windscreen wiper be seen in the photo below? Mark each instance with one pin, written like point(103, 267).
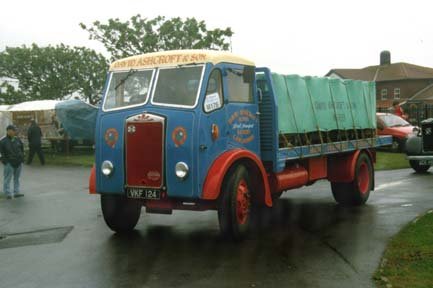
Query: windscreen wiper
point(186, 65)
point(130, 72)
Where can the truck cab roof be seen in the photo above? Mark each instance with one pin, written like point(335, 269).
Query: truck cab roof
point(177, 57)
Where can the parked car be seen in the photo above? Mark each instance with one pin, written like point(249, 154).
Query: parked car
point(397, 127)
point(420, 147)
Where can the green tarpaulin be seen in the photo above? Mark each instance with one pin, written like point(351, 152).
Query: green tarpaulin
point(309, 104)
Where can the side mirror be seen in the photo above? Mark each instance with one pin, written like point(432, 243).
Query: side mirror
point(249, 73)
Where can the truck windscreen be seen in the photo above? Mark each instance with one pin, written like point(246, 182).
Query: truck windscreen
point(177, 86)
point(129, 88)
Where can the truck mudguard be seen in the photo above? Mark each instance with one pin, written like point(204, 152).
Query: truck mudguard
point(341, 168)
point(92, 181)
point(217, 172)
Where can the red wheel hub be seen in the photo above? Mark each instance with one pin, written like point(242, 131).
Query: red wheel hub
point(363, 178)
point(242, 202)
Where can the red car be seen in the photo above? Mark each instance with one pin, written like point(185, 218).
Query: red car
point(397, 127)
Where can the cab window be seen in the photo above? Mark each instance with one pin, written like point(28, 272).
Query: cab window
point(177, 86)
point(128, 89)
point(214, 93)
point(239, 89)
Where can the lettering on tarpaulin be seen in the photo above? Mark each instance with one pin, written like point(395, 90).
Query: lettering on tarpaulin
point(340, 117)
point(338, 105)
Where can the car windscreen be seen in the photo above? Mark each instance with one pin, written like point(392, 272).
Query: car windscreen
point(129, 88)
point(393, 121)
point(178, 86)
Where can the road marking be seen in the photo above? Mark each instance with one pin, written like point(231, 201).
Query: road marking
point(387, 185)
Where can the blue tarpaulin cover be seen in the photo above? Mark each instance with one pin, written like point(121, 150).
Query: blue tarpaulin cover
point(77, 118)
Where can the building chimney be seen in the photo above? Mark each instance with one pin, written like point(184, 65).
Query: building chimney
point(385, 58)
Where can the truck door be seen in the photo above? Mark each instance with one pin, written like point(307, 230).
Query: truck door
point(242, 108)
point(229, 116)
point(212, 127)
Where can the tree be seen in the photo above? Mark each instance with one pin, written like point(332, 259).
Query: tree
point(141, 35)
point(9, 96)
point(54, 72)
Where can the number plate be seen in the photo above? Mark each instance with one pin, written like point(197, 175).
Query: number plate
point(425, 162)
point(143, 193)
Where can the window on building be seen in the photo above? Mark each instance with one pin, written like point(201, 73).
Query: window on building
point(396, 93)
point(384, 94)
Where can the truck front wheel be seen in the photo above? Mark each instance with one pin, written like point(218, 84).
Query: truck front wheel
point(355, 193)
point(236, 205)
point(120, 213)
point(418, 167)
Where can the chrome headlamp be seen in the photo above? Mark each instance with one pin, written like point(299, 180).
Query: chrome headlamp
point(181, 170)
point(107, 168)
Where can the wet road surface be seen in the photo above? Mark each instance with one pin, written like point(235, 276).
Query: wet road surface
point(306, 240)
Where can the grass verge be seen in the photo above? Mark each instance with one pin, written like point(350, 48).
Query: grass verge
point(408, 259)
point(390, 161)
point(83, 158)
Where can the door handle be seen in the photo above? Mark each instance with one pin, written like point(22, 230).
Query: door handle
point(203, 147)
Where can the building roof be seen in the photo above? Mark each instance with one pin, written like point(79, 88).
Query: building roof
point(38, 105)
point(389, 72)
point(177, 57)
point(4, 107)
point(424, 94)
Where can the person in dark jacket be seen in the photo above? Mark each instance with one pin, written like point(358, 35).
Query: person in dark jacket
point(12, 157)
point(34, 135)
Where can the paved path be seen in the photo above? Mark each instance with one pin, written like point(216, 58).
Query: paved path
point(306, 240)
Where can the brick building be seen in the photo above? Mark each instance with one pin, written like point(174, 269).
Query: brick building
point(407, 83)
point(394, 81)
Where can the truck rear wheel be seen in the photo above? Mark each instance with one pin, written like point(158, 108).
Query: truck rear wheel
point(120, 213)
point(355, 193)
point(418, 167)
point(236, 205)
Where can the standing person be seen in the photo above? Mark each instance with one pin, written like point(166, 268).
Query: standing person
point(398, 110)
point(12, 151)
point(34, 135)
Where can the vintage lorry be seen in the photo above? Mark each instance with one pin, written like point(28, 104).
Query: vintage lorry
point(419, 147)
point(199, 130)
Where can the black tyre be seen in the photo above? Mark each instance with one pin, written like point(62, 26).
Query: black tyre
point(418, 167)
point(120, 213)
point(356, 192)
point(236, 205)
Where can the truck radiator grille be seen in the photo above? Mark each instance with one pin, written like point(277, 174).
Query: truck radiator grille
point(144, 153)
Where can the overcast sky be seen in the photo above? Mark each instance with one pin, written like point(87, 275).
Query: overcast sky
point(293, 37)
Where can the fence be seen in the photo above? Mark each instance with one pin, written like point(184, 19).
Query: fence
point(416, 111)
